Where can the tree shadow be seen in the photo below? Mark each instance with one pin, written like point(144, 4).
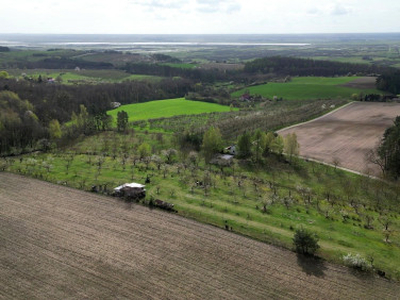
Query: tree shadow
point(311, 265)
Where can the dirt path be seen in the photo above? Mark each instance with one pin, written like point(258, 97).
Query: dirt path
point(59, 243)
point(346, 134)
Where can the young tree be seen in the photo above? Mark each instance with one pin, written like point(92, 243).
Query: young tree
point(259, 144)
point(212, 143)
point(269, 139)
point(277, 145)
point(122, 120)
point(244, 146)
point(144, 150)
point(55, 130)
point(291, 145)
point(305, 242)
point(170, 155)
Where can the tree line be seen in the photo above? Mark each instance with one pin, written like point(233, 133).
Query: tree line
point(308, 67)
point(29, 110)
point(389, 81)
point(54, 101)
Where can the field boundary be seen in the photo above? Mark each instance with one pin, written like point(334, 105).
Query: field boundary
point(317, 118)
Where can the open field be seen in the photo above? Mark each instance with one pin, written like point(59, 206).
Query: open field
point(310, 88)
point(346, 134)
point(83, 76)
point(58, 242)
point(167, 108)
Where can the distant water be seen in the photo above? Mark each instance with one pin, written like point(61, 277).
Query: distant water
point(129, 40)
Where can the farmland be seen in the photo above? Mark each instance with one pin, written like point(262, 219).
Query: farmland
point(57, 242)
point(265, 201)
point(346, 135)
point(82, 76)
point(167, 108)
point(308, 88)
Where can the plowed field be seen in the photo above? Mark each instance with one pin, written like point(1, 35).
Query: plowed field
point(59, 243)
point(347, 134)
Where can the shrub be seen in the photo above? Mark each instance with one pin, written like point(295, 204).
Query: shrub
point(357, 262)
point(305, 241)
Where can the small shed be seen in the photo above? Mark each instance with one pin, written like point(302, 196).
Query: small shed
point(231, 149)
point(131, 190)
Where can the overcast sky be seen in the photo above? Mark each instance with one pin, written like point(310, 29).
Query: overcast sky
point(199, 16)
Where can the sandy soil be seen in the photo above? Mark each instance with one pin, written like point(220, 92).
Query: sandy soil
point(61, 243)
point(347, 134)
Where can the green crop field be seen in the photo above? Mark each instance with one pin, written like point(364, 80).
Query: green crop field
point(167, 108)
point(307, 88)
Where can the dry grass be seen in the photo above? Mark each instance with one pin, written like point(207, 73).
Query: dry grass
point(57, 242)
point(346, 135)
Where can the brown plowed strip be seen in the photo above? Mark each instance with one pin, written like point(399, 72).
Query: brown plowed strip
point(60, 243)
point(362, 83)
point(347, 134)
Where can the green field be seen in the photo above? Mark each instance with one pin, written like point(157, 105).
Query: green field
point(167, 108)
point(307, 88)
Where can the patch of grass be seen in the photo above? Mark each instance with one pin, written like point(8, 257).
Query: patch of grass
point(167, 108)
point(307, 88)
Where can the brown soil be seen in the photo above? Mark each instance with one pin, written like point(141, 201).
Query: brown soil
point(362, 83)
point(58, 243)
point(347, 134)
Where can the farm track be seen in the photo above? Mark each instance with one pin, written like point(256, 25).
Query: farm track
point(346, 134)
point(61, 243)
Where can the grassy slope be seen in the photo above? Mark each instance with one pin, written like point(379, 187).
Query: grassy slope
point(167, 108)
point(239, 207)
point(307, 88)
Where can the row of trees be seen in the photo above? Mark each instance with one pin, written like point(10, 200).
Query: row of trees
point(263, 144)
point(389, 150)
point(389, 81)
point(251, 146)
point(307, 67)
point(54, 101)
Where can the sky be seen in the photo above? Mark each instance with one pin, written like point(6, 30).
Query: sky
point(199, 16)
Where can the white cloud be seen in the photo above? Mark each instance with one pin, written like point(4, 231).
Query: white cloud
point(156, 4)
point(339, 10)
point(218, 6)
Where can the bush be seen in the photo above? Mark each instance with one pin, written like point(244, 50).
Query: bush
point(357, 262)
point(305, 242)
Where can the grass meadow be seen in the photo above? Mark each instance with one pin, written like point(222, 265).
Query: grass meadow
point(167, 108)
point(307, 88)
